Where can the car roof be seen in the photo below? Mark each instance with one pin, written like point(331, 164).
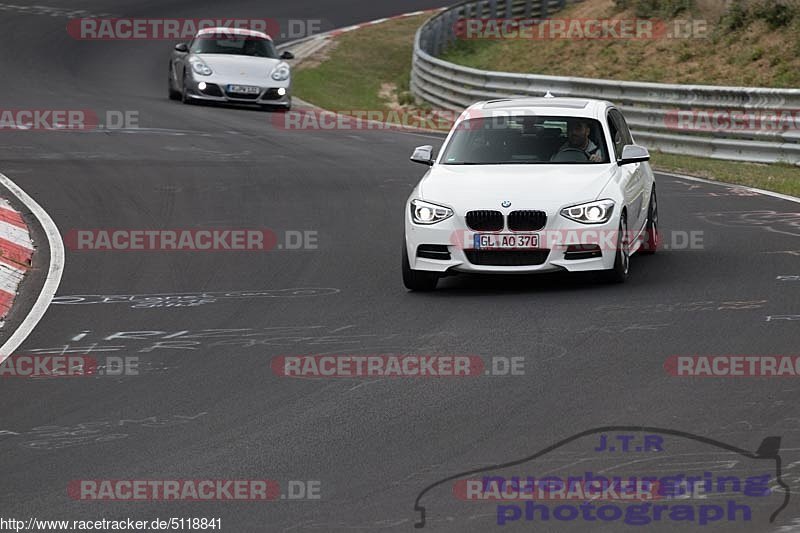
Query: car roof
point(235, 31)
point(562, 106)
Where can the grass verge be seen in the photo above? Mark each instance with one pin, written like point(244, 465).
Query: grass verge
point(776, 177)
point(362, 67)
point(740, 47)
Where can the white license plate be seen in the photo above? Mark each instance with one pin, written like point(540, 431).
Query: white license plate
point(243, 89)
point(505, 241)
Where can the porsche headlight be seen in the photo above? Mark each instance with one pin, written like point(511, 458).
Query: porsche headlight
point(598, 212)
point(201, 68)
point(428, 213)
point(281, 72)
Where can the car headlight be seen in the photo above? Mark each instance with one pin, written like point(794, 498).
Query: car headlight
point(428, 213)
point(201, 68)
point(598, 212)
point(281, 72)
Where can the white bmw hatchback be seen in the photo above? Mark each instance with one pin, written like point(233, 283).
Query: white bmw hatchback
point(531, 185)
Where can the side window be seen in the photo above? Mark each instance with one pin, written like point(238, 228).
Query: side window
point(623, 127)
point(620, 133)
point(616, 134)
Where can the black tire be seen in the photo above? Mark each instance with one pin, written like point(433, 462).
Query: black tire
point(622, 260)
point(417, 280)
point(184, 93)
point(652, 237)
point(173, 94)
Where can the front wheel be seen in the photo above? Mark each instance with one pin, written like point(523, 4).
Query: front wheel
point(173, 93)
point(651, 235)
point(417, 280)
point(185, 92)
point(622, 260)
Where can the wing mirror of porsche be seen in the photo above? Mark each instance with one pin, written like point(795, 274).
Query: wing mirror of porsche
point(633, 153)
point(287, 55)
point(423, 155)
point(182, 47)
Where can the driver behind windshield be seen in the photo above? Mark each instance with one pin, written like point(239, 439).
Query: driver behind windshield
point(578, 139)
point(233, 44)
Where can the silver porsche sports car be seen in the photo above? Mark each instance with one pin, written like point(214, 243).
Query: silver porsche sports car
point(231, 65)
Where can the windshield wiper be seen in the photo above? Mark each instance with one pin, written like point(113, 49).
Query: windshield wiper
point(499, 163)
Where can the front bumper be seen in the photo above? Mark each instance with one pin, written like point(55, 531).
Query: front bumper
point(216, 91)
point(556, 252)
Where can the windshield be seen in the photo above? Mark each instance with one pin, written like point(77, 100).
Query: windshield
point(242, 45)
point(526, 139)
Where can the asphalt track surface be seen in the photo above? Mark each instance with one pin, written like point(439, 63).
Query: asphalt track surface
point(212, 408)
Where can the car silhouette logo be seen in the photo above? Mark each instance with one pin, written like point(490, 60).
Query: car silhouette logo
point(768, 451)
point(506, 203)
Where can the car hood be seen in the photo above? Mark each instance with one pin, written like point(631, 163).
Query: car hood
point(240, 68)
point(544, 187)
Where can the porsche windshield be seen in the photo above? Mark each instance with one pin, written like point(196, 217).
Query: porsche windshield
point(526, 139)
point(241, 45)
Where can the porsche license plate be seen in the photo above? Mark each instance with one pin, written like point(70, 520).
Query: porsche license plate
point(506, 241)
point(243, 89)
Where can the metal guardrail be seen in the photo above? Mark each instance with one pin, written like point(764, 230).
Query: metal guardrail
point(652, 109)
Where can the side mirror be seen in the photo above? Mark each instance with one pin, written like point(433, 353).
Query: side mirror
point(633, 153)
point(422, 154)
point(287, 55)
point(182, 47)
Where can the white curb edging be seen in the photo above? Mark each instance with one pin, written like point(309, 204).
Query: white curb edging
point(54, 271)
